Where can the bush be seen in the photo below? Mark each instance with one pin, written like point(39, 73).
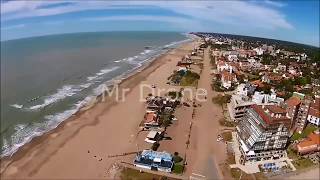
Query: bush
point(177, 159)
point(178, 168)
point(220, 99)
point(189, 79)
point(175, 94)
point(226, 123)
point(227, 136)
point(155, 146)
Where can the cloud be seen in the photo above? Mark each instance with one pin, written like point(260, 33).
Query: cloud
point(18, 26)
point(275, 3)
point(236, 13)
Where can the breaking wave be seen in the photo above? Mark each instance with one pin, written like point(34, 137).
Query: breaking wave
point(24, 133)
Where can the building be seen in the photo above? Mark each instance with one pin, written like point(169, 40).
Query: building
point(153, 160)
point(238, 105)
point(151, 120)
point(292, 106)
point(232, 57)
point(153, 136)
point(301, 120)
point(263, 133)
point(309, 145)
point(228, 78)
point(260, 98)
point(314, 112)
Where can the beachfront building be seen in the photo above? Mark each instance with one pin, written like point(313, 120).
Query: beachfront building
point(309, 145)
point(263, 133)
point(151, 120)
point(153, 160)
point(314, 112)
point(238, 105)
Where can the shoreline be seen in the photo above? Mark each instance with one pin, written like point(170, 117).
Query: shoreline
point(133, 79)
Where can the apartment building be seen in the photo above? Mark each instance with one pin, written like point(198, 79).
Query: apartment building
point(263, 133)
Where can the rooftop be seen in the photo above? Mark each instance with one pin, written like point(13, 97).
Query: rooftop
point(271, 114)
point(293, 101)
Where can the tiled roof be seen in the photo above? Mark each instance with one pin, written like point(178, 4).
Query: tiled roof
point(313, 139)
point(315, 108)
point(149, 117)
point(226, 75)
point(275, 109)
point(266, 117)
point(293, 101)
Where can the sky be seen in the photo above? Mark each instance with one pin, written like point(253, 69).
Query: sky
point(295, 20)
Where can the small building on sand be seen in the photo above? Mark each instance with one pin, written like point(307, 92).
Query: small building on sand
point(153, 136)
point(151, 120)
point(153, 160)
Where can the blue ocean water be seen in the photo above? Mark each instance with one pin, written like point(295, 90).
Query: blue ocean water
point(44, 80)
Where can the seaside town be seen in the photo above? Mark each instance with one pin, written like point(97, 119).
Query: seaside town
point(232, 107)
point(269, 124)
point(160, 90)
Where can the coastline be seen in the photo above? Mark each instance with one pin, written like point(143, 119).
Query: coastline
point(72, 126)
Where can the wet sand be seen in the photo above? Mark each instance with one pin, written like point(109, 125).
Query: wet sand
point(80, 146)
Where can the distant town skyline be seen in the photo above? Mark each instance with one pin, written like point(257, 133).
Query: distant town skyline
point(296, 21)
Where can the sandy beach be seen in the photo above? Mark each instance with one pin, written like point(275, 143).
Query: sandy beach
point(79, 147)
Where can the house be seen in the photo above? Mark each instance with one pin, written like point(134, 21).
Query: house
point(221, 65)
point(309, 145)
point(228, 78)
point(271, 78)
point(263, 133)
point(259, 51)
point(281, 68)
point(314, 112)
point(153, 160)
point(151, 120)
point(232, 57)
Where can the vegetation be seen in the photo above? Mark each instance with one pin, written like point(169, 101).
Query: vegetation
point(176, 158)
point(178, 168)
point(184, 78)
point(221, 99)
point(302, 163)
point(189, 79)
point(267, 59)
point(132, 174)
point(230, 159)
point(310, 128)
point(155, 146)
point(292, 153)
point(175, 94)
point(227, 136)
point(224, 122)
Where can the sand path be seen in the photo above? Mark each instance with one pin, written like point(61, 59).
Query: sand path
point(205, 152)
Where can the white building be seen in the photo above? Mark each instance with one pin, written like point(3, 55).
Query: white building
point(259, 51)
point(314, 112)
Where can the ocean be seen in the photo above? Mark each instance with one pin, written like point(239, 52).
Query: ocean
point(45, 80)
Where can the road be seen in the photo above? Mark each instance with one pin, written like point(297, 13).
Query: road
point(205, 153)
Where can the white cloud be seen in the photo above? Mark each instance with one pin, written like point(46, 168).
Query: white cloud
point(275, 3)
point(237, 13)
point(18, 26)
